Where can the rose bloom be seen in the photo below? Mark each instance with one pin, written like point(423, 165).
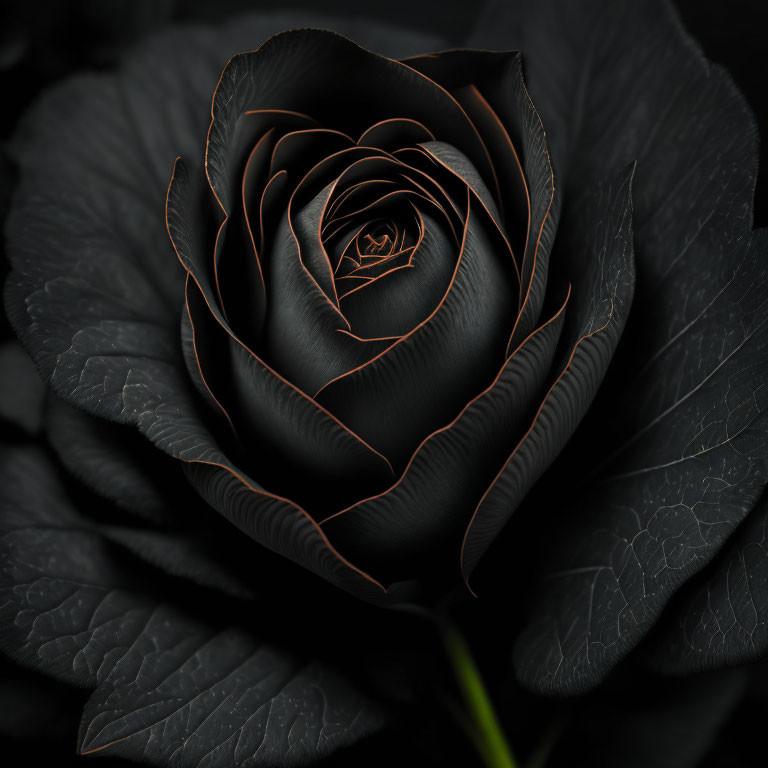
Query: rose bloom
point(345, 324)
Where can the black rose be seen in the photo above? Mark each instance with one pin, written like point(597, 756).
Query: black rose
point(363, 312)
point(390, 305)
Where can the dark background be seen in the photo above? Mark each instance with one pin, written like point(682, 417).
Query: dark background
point(41, 42)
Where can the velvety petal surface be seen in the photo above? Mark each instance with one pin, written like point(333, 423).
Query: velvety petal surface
point(489, 82)
point(274, 418)
point(600, 243)
point(423, 381)
point(292, 71)
point(397, 302)
point(427, 510)
point(302, 335)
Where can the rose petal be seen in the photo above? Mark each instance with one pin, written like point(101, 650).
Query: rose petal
point(602, 299)
point(292, 70)
point(426, 510)
point(398, 301)
point(425, 378)
point(393, 133)
point(267, 410)
point(499, 77)
point(237, 264)
point(301, 335)
point(515, 199)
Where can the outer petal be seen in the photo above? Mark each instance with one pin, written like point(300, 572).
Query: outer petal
point(498, 78)
point(601, 309)
point(684, 458)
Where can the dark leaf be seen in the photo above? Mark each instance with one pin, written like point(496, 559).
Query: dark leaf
point(184, 555)
point(113, 460)
point(170, 689)
point(680, 443)
point(721, 617)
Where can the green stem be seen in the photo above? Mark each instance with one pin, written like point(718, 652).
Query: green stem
point(489, 738)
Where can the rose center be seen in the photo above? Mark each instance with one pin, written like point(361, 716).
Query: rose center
point(367, 252)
